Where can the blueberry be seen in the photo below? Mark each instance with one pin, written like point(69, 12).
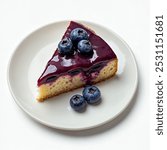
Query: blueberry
point(78, 102)
point(85, 47)
point(78, 34)
point(65, 47)
point(91, 94)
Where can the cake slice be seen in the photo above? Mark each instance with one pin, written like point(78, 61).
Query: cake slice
point(65, 73)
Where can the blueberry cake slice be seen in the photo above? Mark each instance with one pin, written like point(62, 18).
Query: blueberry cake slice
point(82, 58)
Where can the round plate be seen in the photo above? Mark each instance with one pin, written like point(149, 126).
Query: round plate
point(29, 60)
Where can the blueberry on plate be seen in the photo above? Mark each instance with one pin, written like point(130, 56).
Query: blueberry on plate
point(65, 47)
point(78, 34)
point(85, 47)
point(78, 102)
point(92, 94)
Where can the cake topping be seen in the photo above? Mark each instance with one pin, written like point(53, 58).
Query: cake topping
point(85, 47)
point(78, 34)
point(78, 40)
point(65, 47)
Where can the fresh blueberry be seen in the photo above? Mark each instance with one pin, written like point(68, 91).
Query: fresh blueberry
point(85, 47)
point(65, 46)
point(78, 102)
point(78, 34)
point(91, 94)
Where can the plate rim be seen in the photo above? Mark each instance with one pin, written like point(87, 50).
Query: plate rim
point(69, 128)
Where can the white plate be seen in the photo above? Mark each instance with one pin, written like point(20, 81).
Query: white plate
point(29, 60)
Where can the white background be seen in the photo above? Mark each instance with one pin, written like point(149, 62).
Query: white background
point(128, 18)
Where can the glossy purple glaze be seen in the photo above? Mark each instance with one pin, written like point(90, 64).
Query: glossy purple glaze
point(77, 63)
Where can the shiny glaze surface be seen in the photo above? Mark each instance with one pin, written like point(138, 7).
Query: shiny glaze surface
point(71, 65)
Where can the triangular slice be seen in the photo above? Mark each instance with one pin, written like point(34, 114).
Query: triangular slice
point(63, 74)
